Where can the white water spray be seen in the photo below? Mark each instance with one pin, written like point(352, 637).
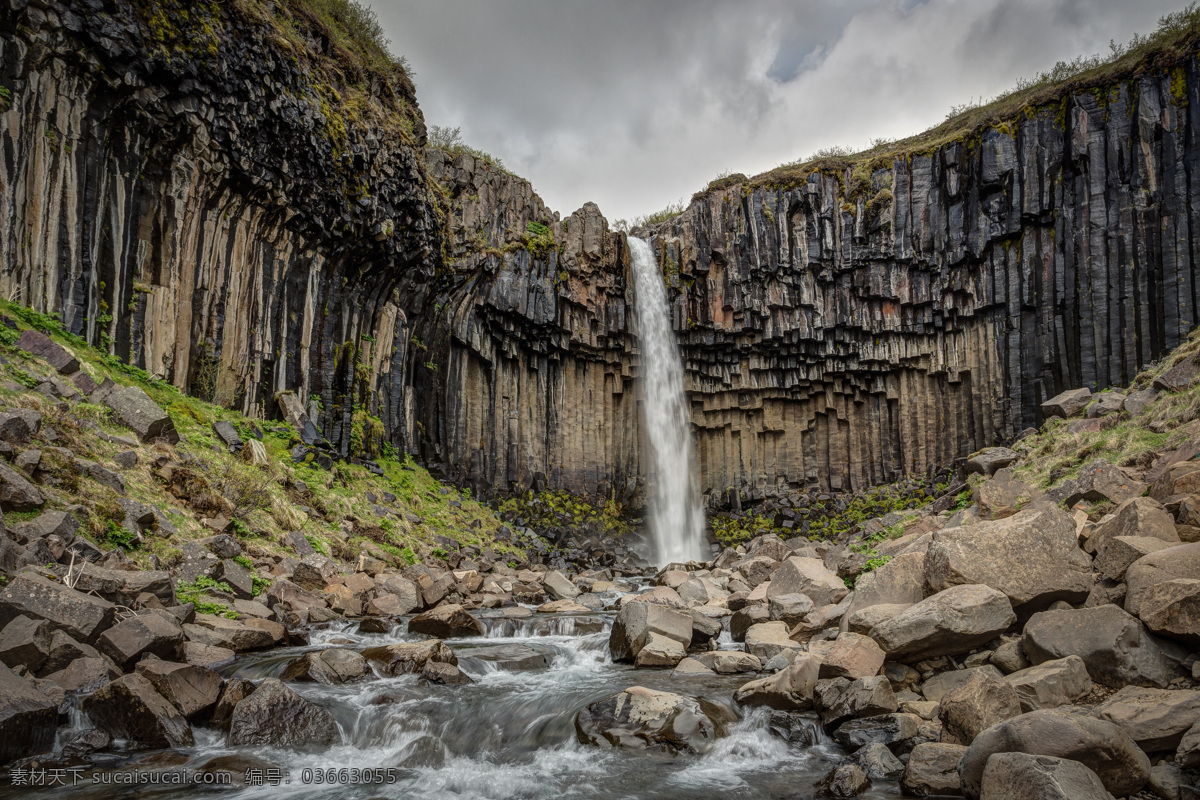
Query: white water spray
point(676, 519)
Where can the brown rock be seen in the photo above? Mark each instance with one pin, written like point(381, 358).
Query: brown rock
point(978, 704)
point(1172, 608)
point(932, 769)
point(131, 708)
point(1020, 776)
point(853, 656)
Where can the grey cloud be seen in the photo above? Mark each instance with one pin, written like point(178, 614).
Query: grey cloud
point(636, 104)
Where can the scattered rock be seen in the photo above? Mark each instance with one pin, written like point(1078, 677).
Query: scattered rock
point(409, 657)
point(1068, 404)
point(637, 621)
point(331, 667)
point(153, 632)
point(888, 729)
point(40, 345)
point(846, 780)
point(134, 409)
point(81, 615)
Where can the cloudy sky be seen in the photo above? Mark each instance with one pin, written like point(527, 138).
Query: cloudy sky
point(636, 104)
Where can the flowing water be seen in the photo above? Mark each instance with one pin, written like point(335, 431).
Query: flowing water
point(509, 735)
point(676, 518)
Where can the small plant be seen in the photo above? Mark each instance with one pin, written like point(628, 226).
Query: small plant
point(5, 98)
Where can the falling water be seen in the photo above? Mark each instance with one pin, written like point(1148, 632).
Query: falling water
point(677, 520)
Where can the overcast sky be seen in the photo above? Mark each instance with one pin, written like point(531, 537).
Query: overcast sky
point(634, 105)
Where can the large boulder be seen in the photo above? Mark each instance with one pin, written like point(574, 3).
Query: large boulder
point(1097, 744)
point(234, 634)
point(639, 717)
point(1156, 719)
point(1116, 647)
point(1121, 551)
point(560, 586)
point(315, 572)
point(729, 662)
point(894, 730)
point(932, 769)
point(1098, 481)
point(950, 622)
point(990, 459)
point(124, 586)
point(1020, 776)
point(807, 576)
point(636, 622)
point(1032, 557)
point(1051, 684)
point(899, 581)
point(192, 689)
point(16, 492)
point(274, 715)
point(976, 705)
point(1181, 561)
point(865, 697)
point(1173, 608)
point(1068, 403)
point(852, 656)
point(790, 689)
point(447, 621)
point(157, 633)
point(1142, 517)
point(131, 708)
point(331, 667)
point(134, 409)
point(81, 615)
point(28, 718)
point(27, 642)
point(768, 639)
point(39, 344)
point(409, 657)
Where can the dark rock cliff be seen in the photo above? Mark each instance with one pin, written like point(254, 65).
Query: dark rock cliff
point(211, 196)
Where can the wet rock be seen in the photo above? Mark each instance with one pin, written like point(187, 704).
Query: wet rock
point(704, 629)
point(1156, 719)
point(950, 622)
point(134, 409)
point(234, 691)
point(153, 632)
point(642, 718)
point(510, 657)
point(192, 689)
point(1051, 684)
point(81, 615)
point(888, 729)
point(131, 708)
point(1020, 776)
point(331, 667)
point(124, 586)
point(1172, 608)
point(443, 674)
point(1097, 744)
point(27, 718)
point(790, 689)
point(1116, 648)
point(274, 715)
point(690, 667)
point(409, 657)
point(969, 709)
point(1032, 557)
point(637, 621)
point(846, 780)
point(85, 674)
point(447, 621)
point(878, 762)
point(932, 769)
point(853, 656)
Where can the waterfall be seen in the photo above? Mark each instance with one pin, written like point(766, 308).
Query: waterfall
point(676, 519)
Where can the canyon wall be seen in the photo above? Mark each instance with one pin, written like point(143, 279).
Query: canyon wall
point(213, 193)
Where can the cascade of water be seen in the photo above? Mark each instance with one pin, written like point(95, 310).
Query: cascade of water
point(676, 519)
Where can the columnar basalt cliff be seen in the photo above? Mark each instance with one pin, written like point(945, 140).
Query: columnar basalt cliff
point(230, 203)
point(214, 201)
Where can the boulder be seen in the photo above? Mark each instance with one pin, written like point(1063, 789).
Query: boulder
point(1097, 744)
point(852, 656)
point(207, 655)
point(900, 581)
point(331, 667)
point(409, 596)
point(81, 615)
point(443, 674)
point(131, 708)
point(888, 729)
point(134, 409)
point(1033, 557)
point(932, 769)
point(123, 587)
point(1116, 648)
point(969, 709)
point(85, 674)
point(1180, 561)
point(1051, 684)
point(315, 572)
point(878, 762)
point(1121, 551)
point(729, 662)
point(17, 493)
point(1104, 404)
point(863, 620)
point(510, 657)
point(1020, 776)
point(953, 621)
point(658, 650)
point(1002, 496)
point(744, 618)
point(990, 459)
point(846, 780)
point(28, 718)
point(1067, 404)
point(1009, 657)
point(559, 586)
point(409, 657)
point(1173, 608)
point(156, 633)
point(1178, 377)
point(639, 717)
point(768, 639)
point(1187, 755)
point(790, 689)
point(1156, 719)
point(48, 523)
point(865, 697)
point(276, 716)
point(807, 576)
point(1137, 402)
point(27, 642)
point(231, 634)
point(1098, 480)
point(39, 344)
point(1143, 517)
point(194, 690)
point(940, 684)
point(447, 621)
point(637, 621)
point(234, 691)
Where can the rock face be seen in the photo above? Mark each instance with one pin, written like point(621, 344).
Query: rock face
point(830, 318)
point(640, 718)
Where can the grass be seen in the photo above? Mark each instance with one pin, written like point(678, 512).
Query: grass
point(1175, 39)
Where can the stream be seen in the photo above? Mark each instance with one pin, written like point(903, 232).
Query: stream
point(509, 734)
